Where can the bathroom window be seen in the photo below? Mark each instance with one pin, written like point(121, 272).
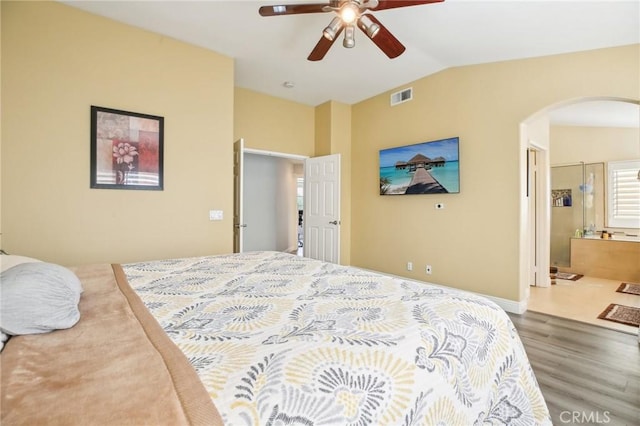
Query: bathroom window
point(623, 204)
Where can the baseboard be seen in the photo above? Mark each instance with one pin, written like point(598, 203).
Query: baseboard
point(511, 306)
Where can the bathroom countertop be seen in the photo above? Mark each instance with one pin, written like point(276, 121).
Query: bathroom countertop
point(615, 237)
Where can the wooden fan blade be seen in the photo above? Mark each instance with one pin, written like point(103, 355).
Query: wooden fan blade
point(392, 4)
point(293, 9)
point(322, 47)
point(390, 45)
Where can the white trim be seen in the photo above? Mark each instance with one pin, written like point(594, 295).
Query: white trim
point(543, 217)
point(510, 306)
point(274, 154)
point(507, 305)
point(534, 227)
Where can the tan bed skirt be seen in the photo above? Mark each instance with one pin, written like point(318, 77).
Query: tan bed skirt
point(116, 366)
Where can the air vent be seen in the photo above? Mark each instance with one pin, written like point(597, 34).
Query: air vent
point(402, 96)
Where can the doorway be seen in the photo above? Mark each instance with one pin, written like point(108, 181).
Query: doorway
point(565, 198)
point(270, 200)
point(286, 202)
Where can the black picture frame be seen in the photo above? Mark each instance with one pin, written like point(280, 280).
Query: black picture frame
point(127, 150)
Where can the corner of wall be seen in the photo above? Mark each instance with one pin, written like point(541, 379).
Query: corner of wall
point(333, 136)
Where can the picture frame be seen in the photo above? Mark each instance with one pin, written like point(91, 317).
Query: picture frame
point(126, 150)
point(561, 198)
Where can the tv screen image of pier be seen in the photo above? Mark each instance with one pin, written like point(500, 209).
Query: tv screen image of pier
point(423, 168)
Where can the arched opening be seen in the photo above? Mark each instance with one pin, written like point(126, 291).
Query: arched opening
point(535, 205)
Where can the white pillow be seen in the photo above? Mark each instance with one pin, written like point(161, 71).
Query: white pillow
point(3, 338)
point(9, 260)
point(38, 297)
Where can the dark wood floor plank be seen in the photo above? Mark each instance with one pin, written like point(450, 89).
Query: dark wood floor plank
point(587, 373)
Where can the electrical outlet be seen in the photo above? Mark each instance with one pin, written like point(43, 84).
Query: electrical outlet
point(409, 266)
point(428, 269)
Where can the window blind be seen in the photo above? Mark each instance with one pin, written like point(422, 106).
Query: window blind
point(624, 194)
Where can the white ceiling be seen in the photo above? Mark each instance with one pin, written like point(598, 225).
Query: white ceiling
point(270, 51)
point(597, 114)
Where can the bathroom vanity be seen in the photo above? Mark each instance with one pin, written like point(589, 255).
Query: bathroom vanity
point(617, 258)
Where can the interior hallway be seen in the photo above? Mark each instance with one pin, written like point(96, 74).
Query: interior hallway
point(582, 300)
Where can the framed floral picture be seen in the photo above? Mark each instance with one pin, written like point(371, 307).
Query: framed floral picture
point(126, 149)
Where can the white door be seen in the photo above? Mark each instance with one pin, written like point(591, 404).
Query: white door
point(322, 208)
point(238, 221)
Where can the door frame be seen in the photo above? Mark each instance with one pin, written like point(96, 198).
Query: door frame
point(274, 154)
point(534, 222)
point(540, 218)
point(240, 199)
point(238, 195)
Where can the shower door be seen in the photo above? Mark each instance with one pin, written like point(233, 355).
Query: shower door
point(577, 207)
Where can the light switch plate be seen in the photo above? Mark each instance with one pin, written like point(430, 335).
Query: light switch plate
point(215, 215)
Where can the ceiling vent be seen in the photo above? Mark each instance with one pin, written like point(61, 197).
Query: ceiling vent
point(402, 96)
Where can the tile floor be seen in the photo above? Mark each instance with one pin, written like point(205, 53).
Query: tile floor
point(582, 300)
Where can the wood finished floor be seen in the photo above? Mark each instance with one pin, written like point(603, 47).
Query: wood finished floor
point(589, 375)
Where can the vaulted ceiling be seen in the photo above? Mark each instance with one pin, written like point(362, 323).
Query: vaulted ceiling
point(269, 51)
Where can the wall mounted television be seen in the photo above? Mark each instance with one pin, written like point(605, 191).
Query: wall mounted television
point(423, 168)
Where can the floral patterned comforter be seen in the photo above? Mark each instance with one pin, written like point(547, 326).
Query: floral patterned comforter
point(279, 339)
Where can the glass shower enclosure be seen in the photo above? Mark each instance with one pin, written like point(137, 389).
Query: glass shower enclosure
point(577, 206)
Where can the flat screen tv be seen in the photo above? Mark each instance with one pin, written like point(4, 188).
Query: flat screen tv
point(422, 168)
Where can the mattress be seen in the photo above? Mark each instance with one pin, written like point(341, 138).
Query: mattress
point(116, 366)
point(280, 339)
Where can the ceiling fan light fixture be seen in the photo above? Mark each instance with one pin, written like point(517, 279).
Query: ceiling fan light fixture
point(349, 37)
point(332, 29)
point(349, 13)
point(370, 27)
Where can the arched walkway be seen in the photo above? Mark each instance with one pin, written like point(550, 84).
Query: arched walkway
point(535, 208)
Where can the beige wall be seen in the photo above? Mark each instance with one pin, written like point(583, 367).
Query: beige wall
point(473, 243)
point(572, 144)
point(272, 124)
point(323, 129)
point(57, 62)
point(333, 136)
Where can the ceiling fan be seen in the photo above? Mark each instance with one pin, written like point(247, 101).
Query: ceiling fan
point(350, 13)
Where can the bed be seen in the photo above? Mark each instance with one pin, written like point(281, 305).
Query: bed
point(279, 339)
